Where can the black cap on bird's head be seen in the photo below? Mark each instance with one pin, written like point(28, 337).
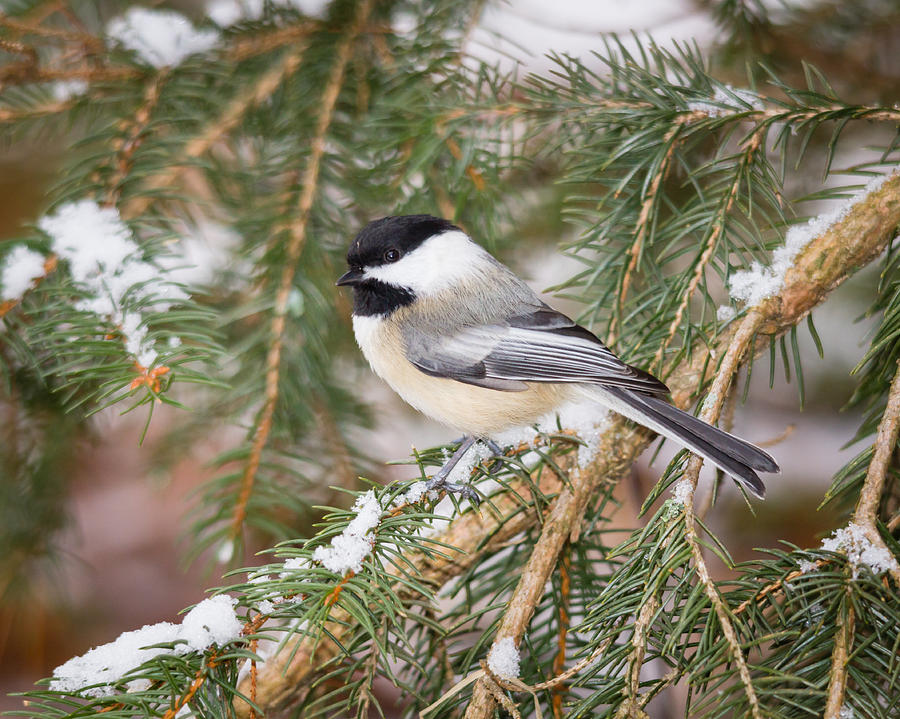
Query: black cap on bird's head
point(387, 240)
point(377, 288)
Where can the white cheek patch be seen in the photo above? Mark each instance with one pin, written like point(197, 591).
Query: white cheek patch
point(438, 263)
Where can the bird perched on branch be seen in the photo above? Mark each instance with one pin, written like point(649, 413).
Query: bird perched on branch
point(466, 342)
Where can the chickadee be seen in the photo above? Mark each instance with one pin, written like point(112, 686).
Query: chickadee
point(466, 342)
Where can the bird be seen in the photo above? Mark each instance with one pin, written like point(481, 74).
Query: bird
point(465, 341)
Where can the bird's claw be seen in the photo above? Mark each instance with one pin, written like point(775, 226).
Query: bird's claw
point(493, 446)
point(464, 490)
point(440, 480)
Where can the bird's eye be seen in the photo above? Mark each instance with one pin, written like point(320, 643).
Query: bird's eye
point(392, 255)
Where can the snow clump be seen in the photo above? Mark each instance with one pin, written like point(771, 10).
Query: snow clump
point(348, 550)
point(861, 552)
point(64, 90)
point(161, 38)
point(106, 262)
point(503, 658)
point(21, 267)
point(212, 621)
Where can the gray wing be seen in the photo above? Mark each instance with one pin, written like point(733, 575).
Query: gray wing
point(540, 346)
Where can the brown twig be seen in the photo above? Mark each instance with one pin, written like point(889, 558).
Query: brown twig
point(634, 700)
point(254, 671)
point(294, 247)
point(865, 516)
point(493, 686)
point(252, 46)
point(199, 678)
point(518, 685)
point(848, 245)
point(643, 225)
point(840, 658)
point(20, 27)
point(726, 421)
point(215, 131)
point(132, 131)
point(894, 522)
point(721, 608)
point(15, 47)
point(752, 145)
point(576, 668)
point(564, 515)
point(772, 587)
point(259, 44)
point(559, 661)
point(778, 439)
point(866, 513)
point(738, 349)
point(88, 74)
point(885, 443)
point(371, 667)
point(7, 115)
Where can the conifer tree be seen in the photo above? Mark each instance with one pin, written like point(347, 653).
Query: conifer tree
point(276, 134)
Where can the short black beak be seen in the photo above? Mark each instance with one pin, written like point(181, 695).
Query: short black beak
point(351, 277)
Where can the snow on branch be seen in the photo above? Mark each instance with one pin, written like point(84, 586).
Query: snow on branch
point(348, 550)
point(760, 282)
point(160, 38)
point(108, 266)
point(861, 552)
point(21, 267)
point(726, 100)
point(225, 13)
point(503, 658)
point(95, 673)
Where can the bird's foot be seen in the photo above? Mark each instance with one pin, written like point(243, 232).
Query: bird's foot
point(463, 490)
point(440, 480)
point(496, 462)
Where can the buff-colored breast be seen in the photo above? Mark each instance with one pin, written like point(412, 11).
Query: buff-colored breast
point(466, 408)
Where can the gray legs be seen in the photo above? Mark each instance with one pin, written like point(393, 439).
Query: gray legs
point(439, 480)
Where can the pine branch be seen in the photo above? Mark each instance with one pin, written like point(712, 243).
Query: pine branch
point(718, 602)
point(132, 131)
point(840, 659)
point(260, 44)
point(645, 221)
point(20, 27)
point(559, 661)
point(634, 701)
point(827, 261)
point(865, 517)
point(716, 228)
point(567, 512)
point(35, 112)
point(199, 678)
point(28, 74)
point(214, 132)
point(866, 513)
point(295, 245)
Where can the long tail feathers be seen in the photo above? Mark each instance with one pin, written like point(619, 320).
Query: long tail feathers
point(731, 454)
